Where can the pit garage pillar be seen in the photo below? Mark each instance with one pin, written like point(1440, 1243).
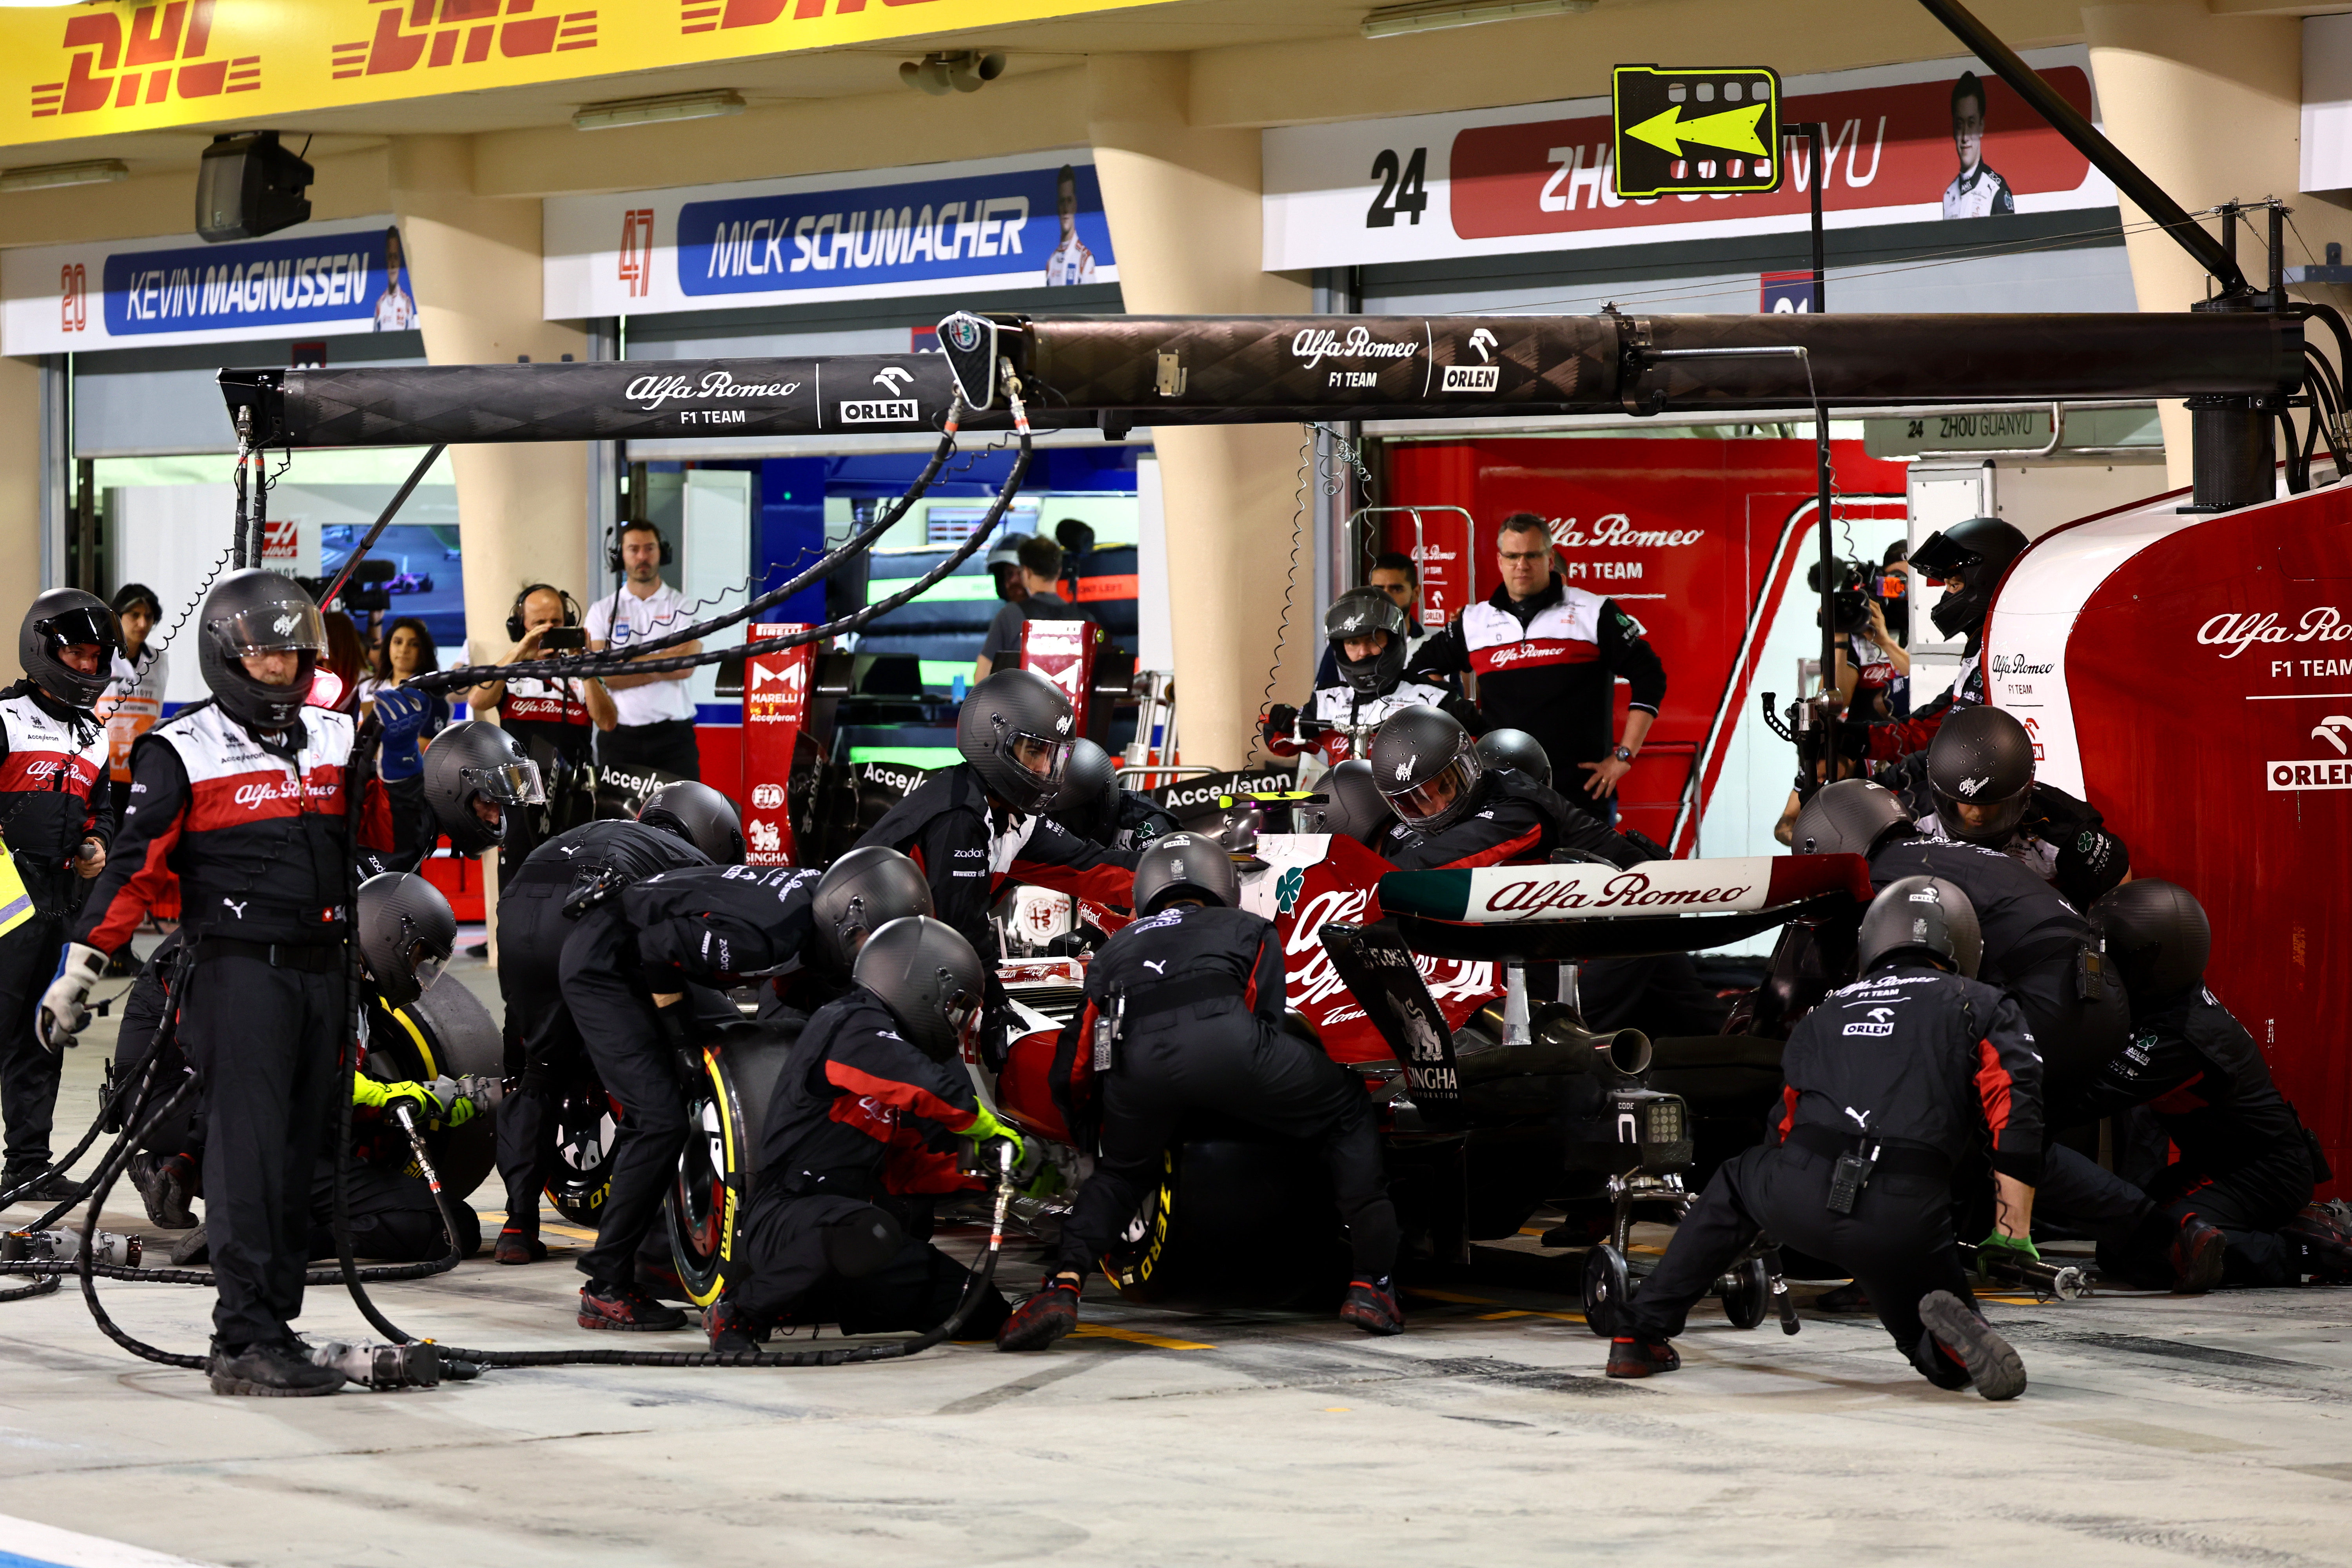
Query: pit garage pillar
point(21, 474)
point(2209, 107)
point(522, 509)
point(1182, 206)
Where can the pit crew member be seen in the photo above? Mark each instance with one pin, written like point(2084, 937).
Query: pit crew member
point(1367, 633)
point(1454, 811)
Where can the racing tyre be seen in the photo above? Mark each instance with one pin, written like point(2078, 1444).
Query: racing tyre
point(727, 1105)
point(1749, 1297)
point(448, 1032)
point(1607, 1285)
point(581, 1127)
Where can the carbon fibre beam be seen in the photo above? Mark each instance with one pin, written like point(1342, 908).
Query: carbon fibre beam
point(1122, 371)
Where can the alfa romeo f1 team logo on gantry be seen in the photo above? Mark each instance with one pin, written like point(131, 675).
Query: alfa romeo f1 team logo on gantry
point(2335, 773)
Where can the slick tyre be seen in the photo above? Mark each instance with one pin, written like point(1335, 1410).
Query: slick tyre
point(727, 1106)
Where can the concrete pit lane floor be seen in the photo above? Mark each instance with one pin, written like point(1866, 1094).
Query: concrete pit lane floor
point(2156, 1430)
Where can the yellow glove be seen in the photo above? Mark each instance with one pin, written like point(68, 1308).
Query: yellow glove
point(986, 1129)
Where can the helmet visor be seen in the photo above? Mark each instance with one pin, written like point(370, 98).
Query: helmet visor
point(1039, 755)
point(428, 965)
point(84, 627)
point(1937, 556)
point(508, 783)
point(1988, 823)
point(1439, 797)
point(287, 626)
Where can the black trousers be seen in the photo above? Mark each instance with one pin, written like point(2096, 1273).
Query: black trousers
point(1897, 1243)
point(28, 1071)
point(1218, 1057)
point(785, 1277)
point(541, 1037)
point(2076, 1036)
point(2134, 1227)
point(264, 1039)
point(392, 1216)
point(668, 745)
point(615, 1017)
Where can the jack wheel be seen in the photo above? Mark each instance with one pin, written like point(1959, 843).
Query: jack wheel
point(1608, 1285)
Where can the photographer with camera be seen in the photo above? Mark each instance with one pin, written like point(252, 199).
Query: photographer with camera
point(555, 720)
point(1873, 668)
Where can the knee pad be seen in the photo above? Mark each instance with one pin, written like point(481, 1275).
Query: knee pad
point(862, 1242)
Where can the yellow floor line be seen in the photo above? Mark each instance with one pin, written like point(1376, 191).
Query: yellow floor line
point(1136, 1336)
point(1532, 1312)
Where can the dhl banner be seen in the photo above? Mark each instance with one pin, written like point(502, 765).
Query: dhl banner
point(119, 66)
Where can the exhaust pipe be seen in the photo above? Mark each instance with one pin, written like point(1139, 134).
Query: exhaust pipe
point(1558, 1042)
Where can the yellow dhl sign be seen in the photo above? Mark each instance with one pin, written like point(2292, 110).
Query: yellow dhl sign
point(124, 66)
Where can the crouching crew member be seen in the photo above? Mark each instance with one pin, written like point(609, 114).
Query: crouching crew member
point(1366, 631)
point(55, 819)
point(481, 784)
point(872, 1117)
point(977, 825)
point(1453, 811)
point(2033, 939)
point(407, 931)
point(1183, 1012)
point(1889, 1083)
point(2246, 1165)
point(244, 798)
point(1975, 785)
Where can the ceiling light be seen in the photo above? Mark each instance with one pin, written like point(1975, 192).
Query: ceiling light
point(652, 111)
point(48, 176)
point(1429, 16)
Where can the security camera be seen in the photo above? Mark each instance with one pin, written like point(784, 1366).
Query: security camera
point(963, 70)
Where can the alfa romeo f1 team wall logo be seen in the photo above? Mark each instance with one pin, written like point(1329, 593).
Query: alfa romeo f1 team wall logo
point(963, 333)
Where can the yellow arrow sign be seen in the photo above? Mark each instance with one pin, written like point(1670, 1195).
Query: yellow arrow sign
point(1732, 130)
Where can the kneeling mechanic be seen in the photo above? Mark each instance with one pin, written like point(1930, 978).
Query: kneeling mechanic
point(874, 1116)
point(1185, 1011)
point(1888, 1081)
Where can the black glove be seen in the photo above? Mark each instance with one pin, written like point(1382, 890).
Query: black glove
point(1280, 720)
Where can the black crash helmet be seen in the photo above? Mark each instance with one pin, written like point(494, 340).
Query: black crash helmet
point(1978, 552)
point(1424, 763)
point(928, 977)
point(477, 761)
point(1518, 751)
point(1852, 816)
point(1349, 804)
point(406, 933)
point(1982, 759)
point(860, 894)
point(1015, 729)
point(2156, 936)
point(58, 620)
point(699, 814)
point(255, 612)
point(1089, 792)
point(1189, 865)
point(1923, 917)
point(1361, 612)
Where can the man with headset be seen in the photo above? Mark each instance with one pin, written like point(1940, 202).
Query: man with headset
point(554, 719)
point(654, 723)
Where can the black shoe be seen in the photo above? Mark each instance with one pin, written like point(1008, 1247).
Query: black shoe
point(1633, 1356)
point(1849, 1297)
point(1993, 1367)
point(478, 950)
point(273, 1371)
point(165, 1185)
point(192, 1249)
point(2196, 1255)
point(56, 1187)
point(1370, 1305)
point(624, 1307)
point(730, 1328)
point(1043, 1318)
point(518, 1247)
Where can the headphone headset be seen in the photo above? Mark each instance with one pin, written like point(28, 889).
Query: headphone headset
point(515, 628)
point(667, 554)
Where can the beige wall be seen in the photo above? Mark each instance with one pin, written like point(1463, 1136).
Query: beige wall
point(20, 489)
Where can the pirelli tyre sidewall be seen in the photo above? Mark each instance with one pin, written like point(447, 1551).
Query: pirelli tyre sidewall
point(580, 1129)
point(447, 1032)
point(726, 1107)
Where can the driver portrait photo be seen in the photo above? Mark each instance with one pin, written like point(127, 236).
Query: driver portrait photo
point(395, 308)
point(1976, 191)
point(1072, 263)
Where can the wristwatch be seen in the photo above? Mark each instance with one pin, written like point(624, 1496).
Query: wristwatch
point(1623, 753)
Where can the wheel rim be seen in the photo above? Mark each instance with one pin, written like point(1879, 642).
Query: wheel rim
point(583, 1133)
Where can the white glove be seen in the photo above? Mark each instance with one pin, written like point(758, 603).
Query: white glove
point(62, 1015)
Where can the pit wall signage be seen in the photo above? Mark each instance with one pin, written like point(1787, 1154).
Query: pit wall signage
point(1537, 177)
point(95, 70)
point(317, 279)
point(995, 222)
point(775, 710)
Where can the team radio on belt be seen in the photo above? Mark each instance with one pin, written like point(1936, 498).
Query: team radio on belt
point(1976, 968)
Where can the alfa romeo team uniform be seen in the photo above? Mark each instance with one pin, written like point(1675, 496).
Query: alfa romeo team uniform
point(256, 834)
point(1913, 1063)
point(50, 800)
point(1549, 665)
point(1518, 821)
point(1343, 704)
point(551, 720)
